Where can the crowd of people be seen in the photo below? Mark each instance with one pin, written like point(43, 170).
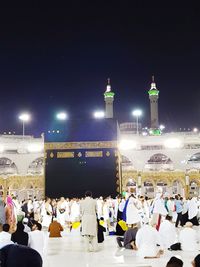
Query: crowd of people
point(148, 226)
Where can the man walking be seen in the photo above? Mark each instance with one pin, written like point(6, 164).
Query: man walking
point(179, 209)
point(88, 210)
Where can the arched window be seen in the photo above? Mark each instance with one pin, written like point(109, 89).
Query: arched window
point(177, 188)
point(126, 163)
point(7, 166)
point(36, 166)
point(148, 189)
point(131, 182)
point(194, 189)
point(194, 161)
point(159, 162)
point(161, 186)
point(195, 158)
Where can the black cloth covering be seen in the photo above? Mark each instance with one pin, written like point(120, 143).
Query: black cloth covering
point(19, 256)
point(20, 237)
point(100, 235)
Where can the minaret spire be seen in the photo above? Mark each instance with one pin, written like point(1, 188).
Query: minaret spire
point(153, 96)
point(108, 87)
point(153, 84)
point(109, 98)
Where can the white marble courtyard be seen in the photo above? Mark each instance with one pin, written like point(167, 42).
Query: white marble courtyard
point(68, 251)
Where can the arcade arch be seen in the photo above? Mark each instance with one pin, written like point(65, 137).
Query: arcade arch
point(148, 188)
point(177, 187)
point(194, 188)
point(194, 161)
point(131, 186)
point(127, 164)
point(36, 167)
point(158, 162)
point(7, 166)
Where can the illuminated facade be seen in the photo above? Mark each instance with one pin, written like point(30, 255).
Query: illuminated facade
point(21, 166)
point(169, 161)
point(152, 160)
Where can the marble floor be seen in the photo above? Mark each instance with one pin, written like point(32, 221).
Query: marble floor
point(68, 251)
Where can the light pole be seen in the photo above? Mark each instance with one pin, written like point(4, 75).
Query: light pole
point(24, 117)
point(137, 113)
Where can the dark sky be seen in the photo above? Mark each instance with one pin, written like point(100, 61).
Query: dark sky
point(59, 58)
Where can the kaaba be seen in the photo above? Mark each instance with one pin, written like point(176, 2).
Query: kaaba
point(80, 156)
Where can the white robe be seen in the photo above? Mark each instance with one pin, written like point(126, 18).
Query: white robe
point(159, 207)
point(62, 216)
point(192, 208)
point(75, 212)
point(100, 208)
point(147, 239)
point(46, 219)
point(88, 209)
point(188, 239)
point(167, 233)
point(132, 213)
point(106, 211)
point(36, 241)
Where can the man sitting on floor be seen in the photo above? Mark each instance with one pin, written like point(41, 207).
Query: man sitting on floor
point(129, 238)
point(55, 228)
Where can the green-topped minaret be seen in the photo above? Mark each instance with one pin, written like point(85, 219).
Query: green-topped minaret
point(109, 98)
point(153, 96)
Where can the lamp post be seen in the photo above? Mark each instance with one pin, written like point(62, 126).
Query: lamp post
point(137, 113)
point(24, 117)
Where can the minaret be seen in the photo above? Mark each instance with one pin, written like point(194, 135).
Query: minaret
point(153, 96)
point(109, 98)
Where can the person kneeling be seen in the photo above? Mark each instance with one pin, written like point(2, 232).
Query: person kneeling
point(129, 238)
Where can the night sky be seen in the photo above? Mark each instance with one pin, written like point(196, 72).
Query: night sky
point(60, 58)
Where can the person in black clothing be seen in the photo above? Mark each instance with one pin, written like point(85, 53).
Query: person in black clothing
point(20, 237)
point(19, 256)
point(174, 262)
point(25, 208)
point(119, 230)
point(196, 261)
point(100, 230)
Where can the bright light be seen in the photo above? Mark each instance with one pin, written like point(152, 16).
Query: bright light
point(127, 144)
point(195, 130)
point(35, 148)
point(24, 117)
point(144, 133)
point(61, 116)
point(173, 143)
point(99, 114)
point(162, 127)
point(137, 112)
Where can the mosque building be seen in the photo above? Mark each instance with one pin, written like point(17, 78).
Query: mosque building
point(153, 161)
point(21, 166)
point(149, 161)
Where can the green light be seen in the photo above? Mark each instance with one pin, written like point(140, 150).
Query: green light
point(153, 92)
point(109, 94)
point(155, 132)
point(124, 193)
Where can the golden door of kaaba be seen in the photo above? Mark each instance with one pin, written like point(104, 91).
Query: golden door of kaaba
point(83, 157)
